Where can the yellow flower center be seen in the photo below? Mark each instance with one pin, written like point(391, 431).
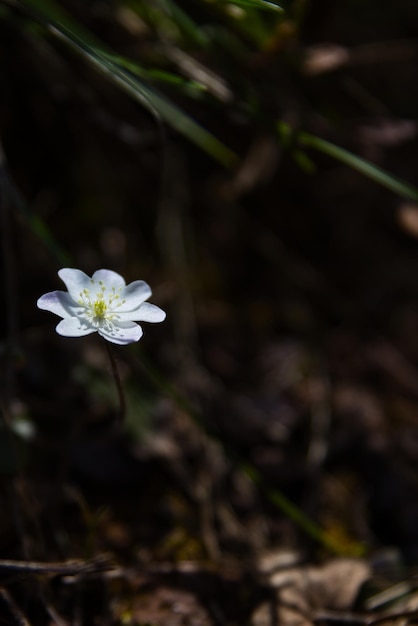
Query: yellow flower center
point(100, 308)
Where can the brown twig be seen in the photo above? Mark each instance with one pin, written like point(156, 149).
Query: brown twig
point(362, 619)
point(389, 616)
point(63, 568)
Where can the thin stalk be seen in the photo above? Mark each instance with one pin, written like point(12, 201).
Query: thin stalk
point(118, 383)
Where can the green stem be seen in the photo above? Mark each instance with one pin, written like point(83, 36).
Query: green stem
point(118, 383)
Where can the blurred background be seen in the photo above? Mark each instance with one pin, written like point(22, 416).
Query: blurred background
point(255, 163)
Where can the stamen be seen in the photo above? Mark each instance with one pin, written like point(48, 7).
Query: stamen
point(100, 308)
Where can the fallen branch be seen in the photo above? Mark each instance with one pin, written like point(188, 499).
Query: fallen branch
point(65, 568)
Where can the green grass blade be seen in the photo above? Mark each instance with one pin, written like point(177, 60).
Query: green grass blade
point(188, 28)
point(375, 173)
point(277, 498)
point(85, 44)
point(265, 5)
point(300, 519)
point(35, 223)
point(190, 87)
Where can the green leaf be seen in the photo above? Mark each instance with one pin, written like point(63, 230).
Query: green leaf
point(265, 5)
point(189, 87)
point(375, 173)
point(288, 138)
point(92, 50)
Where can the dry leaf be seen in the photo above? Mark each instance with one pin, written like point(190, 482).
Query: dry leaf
point(302, 592)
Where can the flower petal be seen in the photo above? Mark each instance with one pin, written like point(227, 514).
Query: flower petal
point(146, 312)
point(109, 278)
point(74, 327)
point(58, 302)
point(75, 281)
point(134, 295)
point(124, 333)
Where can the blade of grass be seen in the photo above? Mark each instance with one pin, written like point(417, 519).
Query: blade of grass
point(190, 87)
point(294, 513)
point(275, 496)
point(265, 5)
point(85, 44)
point(246, 23)
point(35, 223)
point(375, 173)
point(188, 28)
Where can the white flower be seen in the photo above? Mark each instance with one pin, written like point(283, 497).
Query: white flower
point(103, 304)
